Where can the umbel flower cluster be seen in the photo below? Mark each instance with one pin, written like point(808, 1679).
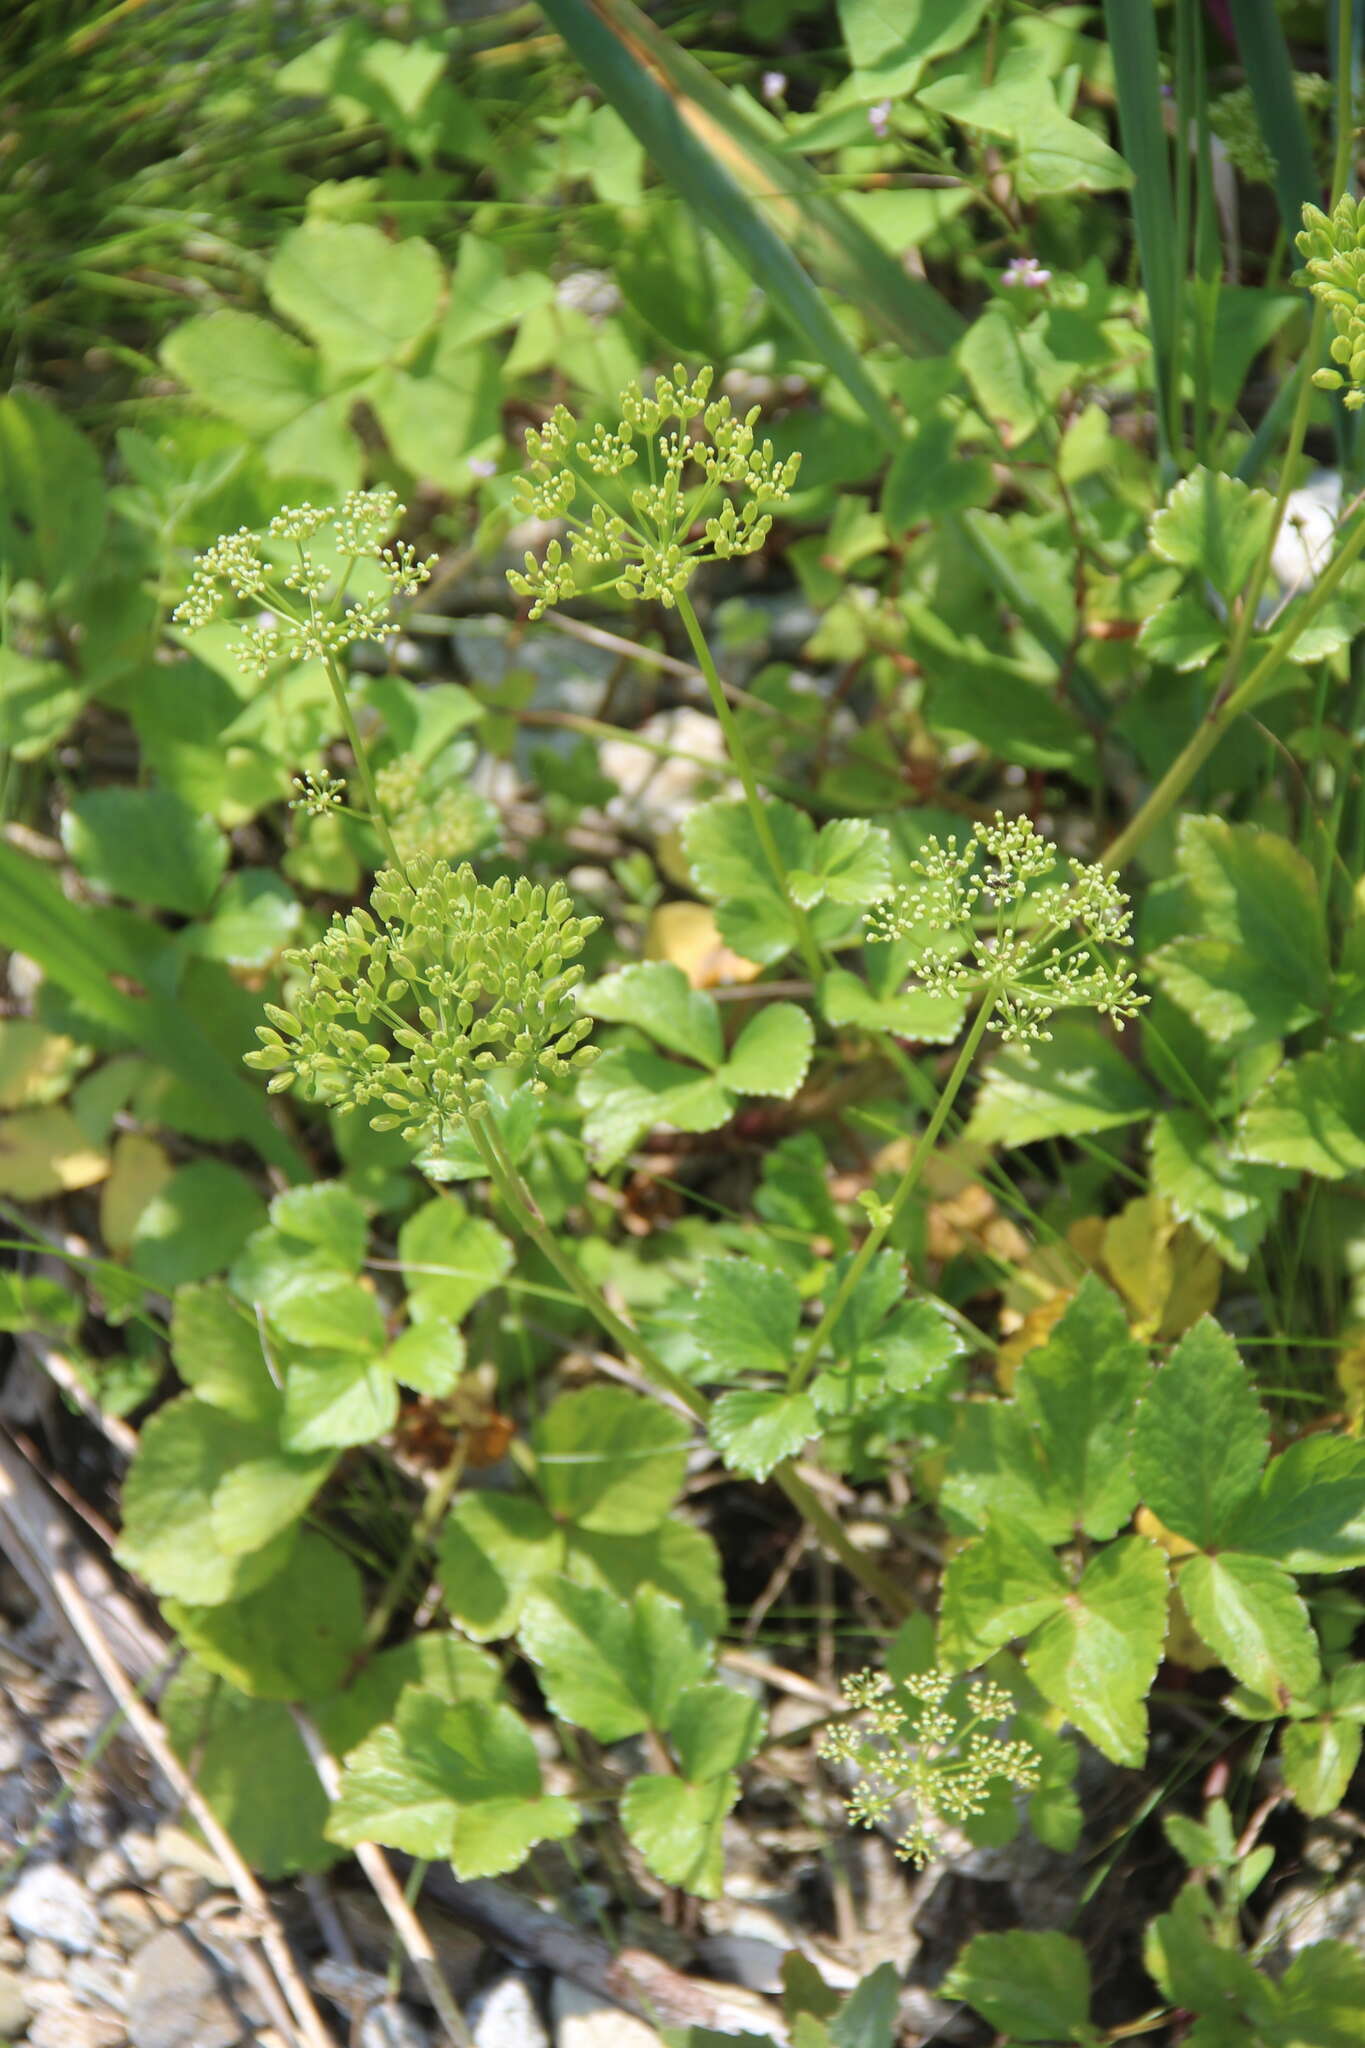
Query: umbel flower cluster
point(675, 482)
point(444, 820)
point(1333, 247)
point(924, 1742)
point(1028, 945)
point(303, 591)
point(405, 1011)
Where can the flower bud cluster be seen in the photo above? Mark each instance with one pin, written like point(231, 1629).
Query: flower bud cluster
point(405, 1010)
point(445, 823)
point(1333, 246)
point(678, 480)
point(303, 595)
point(922, 1741)
point(318, 794)
point(1027, 946)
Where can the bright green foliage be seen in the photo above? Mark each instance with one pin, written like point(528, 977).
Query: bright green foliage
point(147, 844)
point(636, 538)
point(1229, 1200)
point(831, 872)
point(1074, 1083)
point(405, 1013)
point(1201, 1436)
point(1033, 1987)
point(1216, 526)
point(293, 1638)
point(629, 1090)
point(1310, 1117)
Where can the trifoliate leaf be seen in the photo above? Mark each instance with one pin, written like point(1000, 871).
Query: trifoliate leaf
point(1310, 1116)
point(1246, 1609)
point(610, 1666)
point(1096, 1657)
point(1077, 1084)
point(1214, 523)
point(439, 1662)
point(336, 1398)
point(996, 1466)
point(731, 869)
point(852, 864)
point(676, 1558)
point(678, 1828)
point(657, 998)
point(1033, 1987)
point(450, 1258)
point(1078, 1392)
point(293, 1638)
point(1200, 1441)
point(610, 1460)
point(755, 1428)
point(217, 1350)
point(772, 1053)
point(460, 1783)
point(1001, 1585)
point(1229, 1201)
point(745, 1318)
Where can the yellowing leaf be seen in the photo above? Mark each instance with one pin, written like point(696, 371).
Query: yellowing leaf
point(1169, 1276)
point(1031, 1333)
point(688, 935)
point(45, 1152)
point(36, 1066)
point(1148, 1524)
point(140, 1171)
point(1183, 1644)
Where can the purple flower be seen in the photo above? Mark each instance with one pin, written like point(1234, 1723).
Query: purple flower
point(1026, 271)
point(773, 85)
point(879, 119)
point(482, 465)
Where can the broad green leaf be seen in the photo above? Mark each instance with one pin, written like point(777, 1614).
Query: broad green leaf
point(676, 1558)
point(678, 1828)
point(429, 1357)
point(484, 297)
point(1195, 1969)
point(629, 1091)
point(1182, 633)
point(147, 845)
point(913, 1013)
point(264, 1496)
point(460, 1783)
point(438, 1661)
point(755, 1428)
point(294, 1637)
point(255, 917)
point(1033, 1987)
point(336, 1398)
point(882, 35)
point(610, 1460)
point(915, 1343)
point(930, 478)
point(1310, 1116)
point(185, 1452)
point(195, 1225)
point(851, 864)
point(217, 1351)
point(329, 1311)
point(772, 1052)
point(1055, 153)
point(658, 999)
point(1308, 1512)
point(745, 1318)
point(612, 1667)
point(244, 368)
point(327, 1215)
point(449, 1259)
point(714, 1728)
point(869, 2015)
point(52, 504)
point(1247, 1611)
point(1001, 1585)
point(1097, 1656)
point(1322, 1997)
point(1229, 1201)
point(492, 1548)
point(730, 868)
point(1077, 1084)
point(363, 299)
point(1078, 1392)
point(1215, 524)
point(248, 1760)
point(996, 1467)
point(1200, 1441)
point(1318, 1759)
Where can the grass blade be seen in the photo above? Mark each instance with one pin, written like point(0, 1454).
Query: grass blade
point(762, 203)
point(1132, 35)
point(78, 952)
point(1265, 58)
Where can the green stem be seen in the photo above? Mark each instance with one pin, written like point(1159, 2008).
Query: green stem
point(361, 755)
point(1225, 709)
point(879, 1232)
point(744, 768)
point(518, 1198)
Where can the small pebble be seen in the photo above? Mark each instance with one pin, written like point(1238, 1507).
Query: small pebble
point(129, 1918)
point(11, 1951)
point(49, 1904)
point(14, 2006)
point(44, 1959)
point(392, 2025)
point(183, 1890)
point(99, 1980)
point(75, 2026)
point(180, 1851)
point(143, 1856)
point(175, 2000)
point(106, 1872)
point(506, 2015)
point(583, 2021)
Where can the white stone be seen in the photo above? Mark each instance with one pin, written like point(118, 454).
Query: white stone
point(49, 1904)
point(174, 1997)
point(392, 2025)
point(44, 1959)
point(14, 2006)
point(143, 1854)
point(99, 1980)
point(68, 2025)
point(129, 1918)
point(584, 2021)
point(106, 1872)
point(505, 2015)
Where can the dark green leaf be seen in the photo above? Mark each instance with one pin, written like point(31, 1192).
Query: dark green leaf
point(1200, 1442)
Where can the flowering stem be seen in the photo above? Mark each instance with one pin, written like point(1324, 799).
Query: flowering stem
point(362, 761)
point(744, 768)
point(880, 1230)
